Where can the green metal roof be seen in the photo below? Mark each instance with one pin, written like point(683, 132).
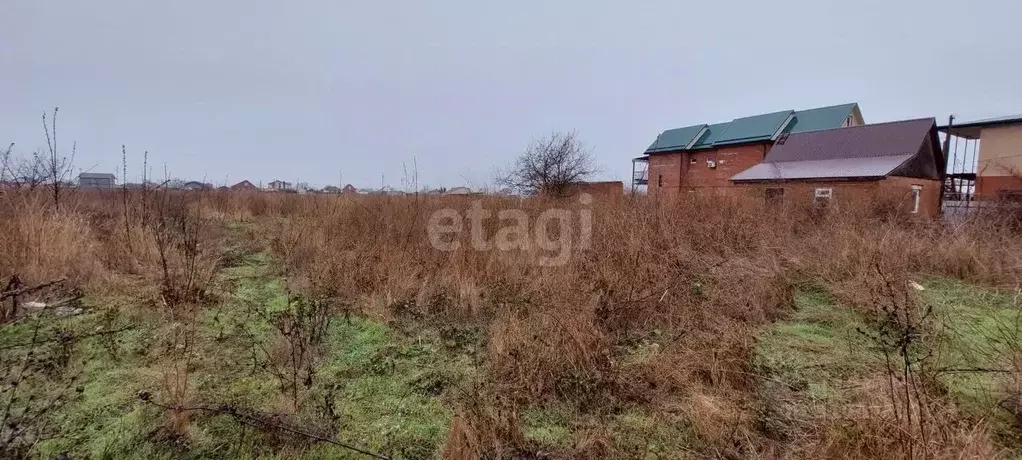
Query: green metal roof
point(675, 139)
point(712, 133)
point(756, 128)
point(820, 119)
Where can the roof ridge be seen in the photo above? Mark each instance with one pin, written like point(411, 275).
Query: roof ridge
point(934, 120)
point(829, 106)
point(764, 113)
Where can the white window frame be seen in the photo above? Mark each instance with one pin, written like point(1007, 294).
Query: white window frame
point(822, 195)
point(916, 192)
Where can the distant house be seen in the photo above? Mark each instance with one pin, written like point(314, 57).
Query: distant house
point(458, 191)
point(349, 190)
point(705, 156)
point(332, 189)
point(97, 180)
point(196, 185)
point(244, 186)
point(280, 186)
point(901, 158)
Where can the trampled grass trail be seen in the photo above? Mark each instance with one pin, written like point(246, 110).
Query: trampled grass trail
point(382, 387)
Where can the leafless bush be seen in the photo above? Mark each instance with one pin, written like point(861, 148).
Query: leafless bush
point(59, 168)
point(550, 165)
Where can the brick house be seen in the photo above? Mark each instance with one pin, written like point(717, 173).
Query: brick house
point(901, 159)
point(704, 157)
point(244, 186)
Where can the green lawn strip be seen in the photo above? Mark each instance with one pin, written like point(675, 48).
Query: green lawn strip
point(818, 349)
point(105, 419)
point(636, 432)
point(641, 434)
point(977, 331)
point(391, 387)
point(387, 387)
point(972, 330)
point(548, 426)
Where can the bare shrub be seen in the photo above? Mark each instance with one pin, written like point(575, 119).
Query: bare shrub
point(550, 165)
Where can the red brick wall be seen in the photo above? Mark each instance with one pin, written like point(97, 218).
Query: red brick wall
point(929, 196)
point(898, 189)
point(673, 172)
point(990, 187)
point(664, 173)
point(729, 160)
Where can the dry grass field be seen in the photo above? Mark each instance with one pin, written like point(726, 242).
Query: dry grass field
point(171, 324)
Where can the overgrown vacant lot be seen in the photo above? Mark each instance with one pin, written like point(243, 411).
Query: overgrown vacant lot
point(165, 324)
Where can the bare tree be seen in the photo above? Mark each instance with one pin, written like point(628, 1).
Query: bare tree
point(58, 168)
point(550, 165)
point(29, 172)
point(5, 163)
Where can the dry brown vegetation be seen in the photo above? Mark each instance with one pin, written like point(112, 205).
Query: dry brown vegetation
point(659, 315)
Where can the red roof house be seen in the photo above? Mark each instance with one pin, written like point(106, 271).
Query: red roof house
point(900, 158)
point(244, 185)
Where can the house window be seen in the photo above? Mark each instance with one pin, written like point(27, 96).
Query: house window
point(659, 180)
point(693, 160)
point(916, 190)
point(823, 195)
point(774, 195)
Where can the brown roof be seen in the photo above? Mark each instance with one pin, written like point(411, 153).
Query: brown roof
point(867, 141)
point(861, 151)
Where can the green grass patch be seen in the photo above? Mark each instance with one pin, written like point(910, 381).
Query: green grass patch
point(390, 388)
point(821, 346)
point(971, 335)
point(977, 330)
point(639, 434)
point(548, 427)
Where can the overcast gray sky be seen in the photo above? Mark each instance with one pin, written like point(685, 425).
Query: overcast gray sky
point(230, 90)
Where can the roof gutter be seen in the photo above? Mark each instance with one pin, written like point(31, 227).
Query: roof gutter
point(810, 179)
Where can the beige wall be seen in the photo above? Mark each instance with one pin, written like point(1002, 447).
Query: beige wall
point(855, 119)
point(1000, 151)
